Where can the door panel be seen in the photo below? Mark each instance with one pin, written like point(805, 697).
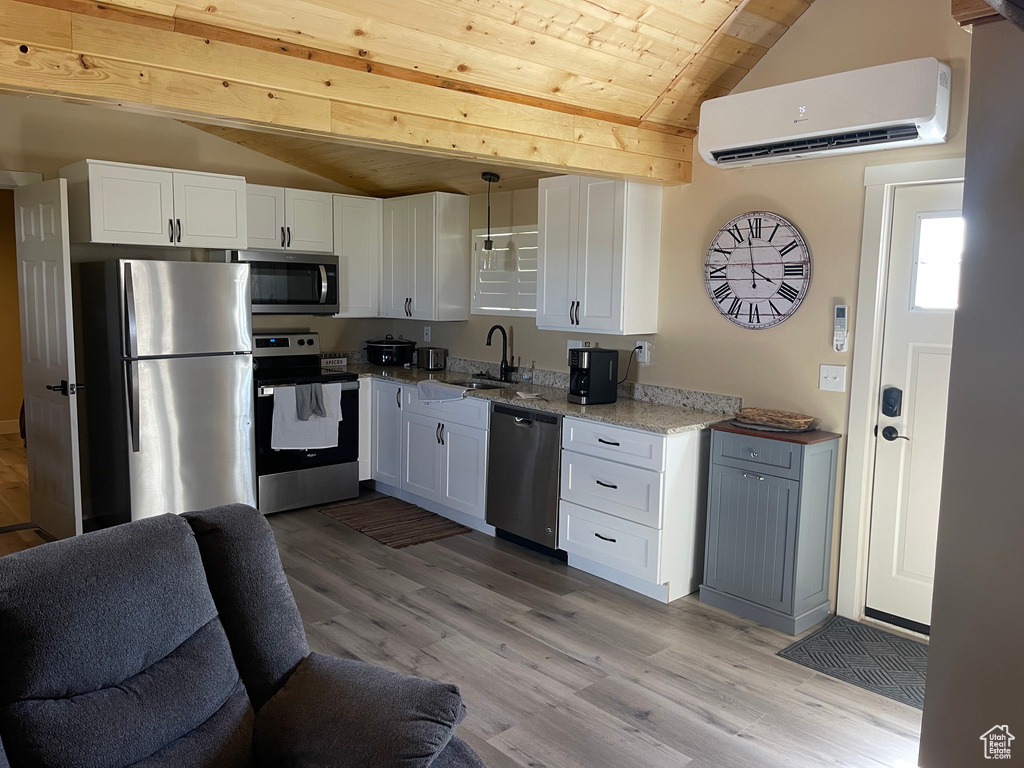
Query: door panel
point(424, 231)
point(386, 433)
point(397, 271)
point(309, 217)
point(421, 456)
point(133, 206)
point(209, 304)
point(48, 357)
point(210, 211)
point(464, 469)
point(599, 270)
point(264, 217)
point(751, 525)
point(557, 239)
point(915, 358)
point(357, 242)
point(195, 434)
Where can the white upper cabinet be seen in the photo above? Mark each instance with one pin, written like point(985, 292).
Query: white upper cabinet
point(290, 219)
point(142, 205)
point(426, 257)
point(358, 229)
point(598, 254)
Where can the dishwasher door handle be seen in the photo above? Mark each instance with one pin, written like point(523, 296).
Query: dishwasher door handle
point(521, 421)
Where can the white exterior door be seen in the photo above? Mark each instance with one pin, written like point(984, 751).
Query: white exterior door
point(424, 238)
point(209, 211)
point(464, 469)
point(421, 455)
point(921, 297)
point(48, 357)
point(357, 243)
point(396, 289)
point(133, 206)
point(386, 433)
point(602, 206)
point(309, 220)
point(265, 217)
point(557, 240)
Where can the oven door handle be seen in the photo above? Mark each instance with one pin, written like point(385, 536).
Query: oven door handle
point(268, 391)
point(323, 284)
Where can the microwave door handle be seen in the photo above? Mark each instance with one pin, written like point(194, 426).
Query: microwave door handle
point(323, 284)
point(132, 329)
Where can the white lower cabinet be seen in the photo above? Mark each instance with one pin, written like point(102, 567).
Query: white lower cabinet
point(631, 506)
point(432, 454)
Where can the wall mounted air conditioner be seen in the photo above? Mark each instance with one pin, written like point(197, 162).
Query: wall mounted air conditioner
point(894, 105)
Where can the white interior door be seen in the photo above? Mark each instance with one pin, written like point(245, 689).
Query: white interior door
point(921, 297)
point(48, 357)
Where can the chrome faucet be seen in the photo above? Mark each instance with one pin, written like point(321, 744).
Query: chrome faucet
point(505, 369)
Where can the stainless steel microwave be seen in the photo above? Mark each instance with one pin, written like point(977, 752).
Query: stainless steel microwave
point(290, 283)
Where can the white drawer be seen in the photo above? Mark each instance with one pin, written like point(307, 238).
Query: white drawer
point(608, 486)
point(628, 446)
point(469, 411)
point(627, 547)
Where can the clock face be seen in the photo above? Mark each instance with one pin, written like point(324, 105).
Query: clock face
point(757, 270)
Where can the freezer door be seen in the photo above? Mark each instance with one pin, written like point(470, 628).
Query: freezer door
point(184, 308)
point(190, 433)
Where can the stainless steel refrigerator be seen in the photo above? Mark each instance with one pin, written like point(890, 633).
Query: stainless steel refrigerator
point(168, 396)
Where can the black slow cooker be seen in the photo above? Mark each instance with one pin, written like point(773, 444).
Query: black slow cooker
point(390, 351)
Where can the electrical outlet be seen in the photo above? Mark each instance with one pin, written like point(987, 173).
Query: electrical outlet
point(426, 333)
point(832, 378)
point(643, 353)
point(569, 345)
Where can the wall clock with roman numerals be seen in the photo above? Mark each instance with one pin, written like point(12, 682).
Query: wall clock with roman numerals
point(757, 269)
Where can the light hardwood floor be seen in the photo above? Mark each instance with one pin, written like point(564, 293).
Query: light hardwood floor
point(559, 668)
point(14, 495)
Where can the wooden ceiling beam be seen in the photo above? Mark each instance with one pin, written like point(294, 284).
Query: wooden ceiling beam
point(134, 62)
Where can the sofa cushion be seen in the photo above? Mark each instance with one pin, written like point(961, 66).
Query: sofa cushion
point(243, 569)
point(110, 646)
point(339, 712)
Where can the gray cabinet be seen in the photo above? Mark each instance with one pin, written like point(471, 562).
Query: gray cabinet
point(769, 526)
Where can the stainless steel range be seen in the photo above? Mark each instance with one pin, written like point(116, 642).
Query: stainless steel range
point(298, 462)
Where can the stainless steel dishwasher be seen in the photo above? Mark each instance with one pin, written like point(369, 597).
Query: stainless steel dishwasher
point(522, 473)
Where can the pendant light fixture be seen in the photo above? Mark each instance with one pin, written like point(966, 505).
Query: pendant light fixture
point(490, 177)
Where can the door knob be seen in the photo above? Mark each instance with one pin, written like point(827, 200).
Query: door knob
point(891, 433)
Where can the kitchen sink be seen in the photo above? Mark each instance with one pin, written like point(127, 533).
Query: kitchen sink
point(477, 384)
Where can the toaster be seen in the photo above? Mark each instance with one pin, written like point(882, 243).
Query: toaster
point(431, 358)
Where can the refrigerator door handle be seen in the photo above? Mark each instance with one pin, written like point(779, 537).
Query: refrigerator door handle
point(323, 284)
point(132, 341)
point(132, 370)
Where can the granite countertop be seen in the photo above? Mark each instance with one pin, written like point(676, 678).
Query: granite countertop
point(633, 414)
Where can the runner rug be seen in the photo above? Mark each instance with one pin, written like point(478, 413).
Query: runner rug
point(871, 658)
point(394, 522)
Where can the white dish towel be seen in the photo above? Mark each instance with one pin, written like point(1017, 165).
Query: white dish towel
point(438, 392)
point(287, 433)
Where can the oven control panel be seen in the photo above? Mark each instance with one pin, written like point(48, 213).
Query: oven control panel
point(291, 343)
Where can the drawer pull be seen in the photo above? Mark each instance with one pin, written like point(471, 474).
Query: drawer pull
point(607, 442)
point(753, 477)
point(607, 485)
point(604, 538)
point(753, 454)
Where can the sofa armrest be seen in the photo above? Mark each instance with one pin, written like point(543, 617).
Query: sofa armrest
point(3, 757)
point(339, 712)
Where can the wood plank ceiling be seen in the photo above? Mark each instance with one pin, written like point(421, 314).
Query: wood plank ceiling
point(608, 86)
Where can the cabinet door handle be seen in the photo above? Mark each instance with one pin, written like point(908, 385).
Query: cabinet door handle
point(604, 538)
point(571, 305)
point(398, 397)
point(289, 231)
point(282, 237)
point(437, 433)
point(753, 454)
point(179, 230)
point(170, 229)
point(607, 442)
point(753, 477)
point(578, 303)
point(607, 485)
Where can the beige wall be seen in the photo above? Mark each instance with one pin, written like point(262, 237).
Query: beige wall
point(696, 348)
point(10, 327)
point(42, 135)
point(975, 676)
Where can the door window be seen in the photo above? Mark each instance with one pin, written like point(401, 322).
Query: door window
point(938, 249)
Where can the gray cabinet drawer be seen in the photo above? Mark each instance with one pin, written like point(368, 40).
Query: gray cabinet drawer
point(773, 457)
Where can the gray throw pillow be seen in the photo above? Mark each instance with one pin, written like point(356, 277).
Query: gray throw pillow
point(338, 712)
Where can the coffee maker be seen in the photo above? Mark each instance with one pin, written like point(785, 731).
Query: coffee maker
point(593, 375)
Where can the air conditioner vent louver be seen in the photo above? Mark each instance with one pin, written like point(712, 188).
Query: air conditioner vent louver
point(817, 144)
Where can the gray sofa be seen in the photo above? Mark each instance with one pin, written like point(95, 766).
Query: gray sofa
point(176, 641)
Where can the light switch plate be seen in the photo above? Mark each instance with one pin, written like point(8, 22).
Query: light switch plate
point(832, 378)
